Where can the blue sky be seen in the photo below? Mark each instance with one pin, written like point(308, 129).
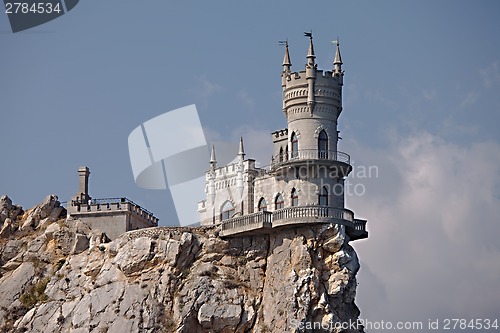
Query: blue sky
point(421, 102)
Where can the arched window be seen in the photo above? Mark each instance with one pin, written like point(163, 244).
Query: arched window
point(295, 198)
point(295, 145)
point(323, 145)
point(227, 210)
point(281, 154)
point(262, 205)
point(279, 202)
point(323, 197)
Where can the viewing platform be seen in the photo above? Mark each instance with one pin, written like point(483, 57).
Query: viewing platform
point(264, 222)
point(311, 157)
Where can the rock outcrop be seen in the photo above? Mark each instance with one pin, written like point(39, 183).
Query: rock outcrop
point(61, 276)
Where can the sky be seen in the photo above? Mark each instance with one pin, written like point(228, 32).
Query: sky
point(421, 106)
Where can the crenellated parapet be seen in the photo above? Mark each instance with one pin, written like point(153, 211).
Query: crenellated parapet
point(327, 90)
point(111, 206)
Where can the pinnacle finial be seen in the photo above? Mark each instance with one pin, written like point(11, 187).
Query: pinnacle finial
point(310, 52)
point(241, 151)
point(338, 58)
point(337, 61)
point(286, 60)
point(212, 156)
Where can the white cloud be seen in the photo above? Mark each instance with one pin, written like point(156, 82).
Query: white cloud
point(433, 223)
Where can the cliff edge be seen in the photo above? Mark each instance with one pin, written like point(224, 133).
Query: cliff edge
point(59, 275)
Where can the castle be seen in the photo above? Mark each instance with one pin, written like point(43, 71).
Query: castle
point(304, 183)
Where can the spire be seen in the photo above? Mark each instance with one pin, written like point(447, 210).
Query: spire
point(310, 51)
point(310, 73)
point(213, 161)
point(286, 60)
point(241, 151)
point(337, 62)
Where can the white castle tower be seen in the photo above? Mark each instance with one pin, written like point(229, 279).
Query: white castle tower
point(305, 181)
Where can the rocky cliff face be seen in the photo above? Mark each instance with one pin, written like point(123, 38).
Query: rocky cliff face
point(59, 275)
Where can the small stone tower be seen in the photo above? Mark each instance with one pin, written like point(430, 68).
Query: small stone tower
point(113, 216)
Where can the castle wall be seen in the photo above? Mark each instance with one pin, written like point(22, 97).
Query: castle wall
point(114, 218)
point(112, 225)
point(269, 187)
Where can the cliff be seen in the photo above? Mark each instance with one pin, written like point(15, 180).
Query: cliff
point(59, 275)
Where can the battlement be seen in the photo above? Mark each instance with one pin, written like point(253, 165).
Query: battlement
point(231, 170)
point(111, 205)
point(321, 77)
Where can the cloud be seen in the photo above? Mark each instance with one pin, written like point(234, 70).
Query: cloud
point(490, 75)
point(246, 100)
point(433, 223)
point(378, 97)
point(469, 98)
point(204, 88)
point(429, 95)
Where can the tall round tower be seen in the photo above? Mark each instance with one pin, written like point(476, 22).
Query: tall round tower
point(312, 103)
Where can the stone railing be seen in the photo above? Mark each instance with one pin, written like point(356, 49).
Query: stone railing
point(311, 154)
point(319, 212)
point(359, 225)
point(243, 222)
point(291, 216)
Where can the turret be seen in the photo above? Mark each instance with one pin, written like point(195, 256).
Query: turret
point(312, 103)
point(240, 167)
point(337, 64)
point(211, 177)
point(285, 74)
point(241, 151)
point(310, 73)
point(83, 188)
point(213, 161)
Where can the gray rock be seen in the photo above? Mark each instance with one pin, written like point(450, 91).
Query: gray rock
point(178, 279)
point(49, 209)
point(81, 243)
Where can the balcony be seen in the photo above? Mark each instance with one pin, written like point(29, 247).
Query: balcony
point(329, 157)
point(252, 223)
point(263, 222)
point(312, 214)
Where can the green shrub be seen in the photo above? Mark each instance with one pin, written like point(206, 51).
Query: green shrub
point(36, 294)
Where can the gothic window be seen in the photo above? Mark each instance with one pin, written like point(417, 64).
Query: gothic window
point(295, 198)
point(323, 197)
point(295, 145)
point(262, 205)
point(227, 210)
point(279, 202)
point(323, 145)
point(281, 154)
